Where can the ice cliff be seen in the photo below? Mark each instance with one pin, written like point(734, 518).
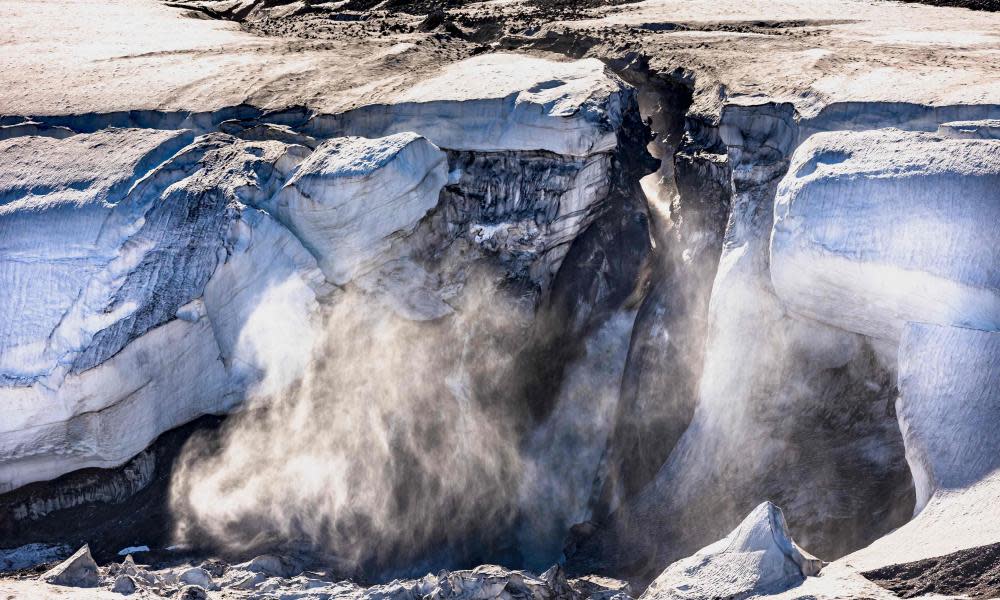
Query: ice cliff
point(179, 250)
point(843, 252)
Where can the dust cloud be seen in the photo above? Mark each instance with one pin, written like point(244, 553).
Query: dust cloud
point(400, 448)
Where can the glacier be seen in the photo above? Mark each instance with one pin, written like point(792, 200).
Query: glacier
point(794, 303)
point(155, 259)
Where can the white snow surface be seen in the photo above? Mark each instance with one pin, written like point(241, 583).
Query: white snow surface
point(758, 557)
point(81, 56)
point(874, 229)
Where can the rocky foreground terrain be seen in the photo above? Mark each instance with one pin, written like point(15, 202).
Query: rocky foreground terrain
point(513, 299)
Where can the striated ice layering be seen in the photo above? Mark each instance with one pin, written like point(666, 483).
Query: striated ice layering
point(498, 102)
point(949, 406)
point(70, 191)
point(757, 558)
point(352, 194)
point(136, 320)
point(878, 228)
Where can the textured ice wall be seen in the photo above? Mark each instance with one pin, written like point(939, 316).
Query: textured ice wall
point(151, 277)
point(949, 406)
point(949, 410)
point(878, 228)
point(110, 291)
point(64, 218)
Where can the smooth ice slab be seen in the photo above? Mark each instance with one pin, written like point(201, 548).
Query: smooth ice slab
point(877, 228)
point(949, 406)
point(949, 412)
point(64, 221)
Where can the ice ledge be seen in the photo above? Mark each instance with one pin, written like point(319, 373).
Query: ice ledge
point(512, 102)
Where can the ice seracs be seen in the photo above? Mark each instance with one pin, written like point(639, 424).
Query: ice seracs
point(147, 273)
point(71, 191)
point(949, 406)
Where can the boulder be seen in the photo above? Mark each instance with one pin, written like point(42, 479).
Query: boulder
point(78, 570)
point(757, 558)
point(192, 592)
point(274, 566)
point(196, 576)
point(124, 585)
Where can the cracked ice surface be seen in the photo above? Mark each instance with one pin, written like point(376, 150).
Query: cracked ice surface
point(513, 102)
